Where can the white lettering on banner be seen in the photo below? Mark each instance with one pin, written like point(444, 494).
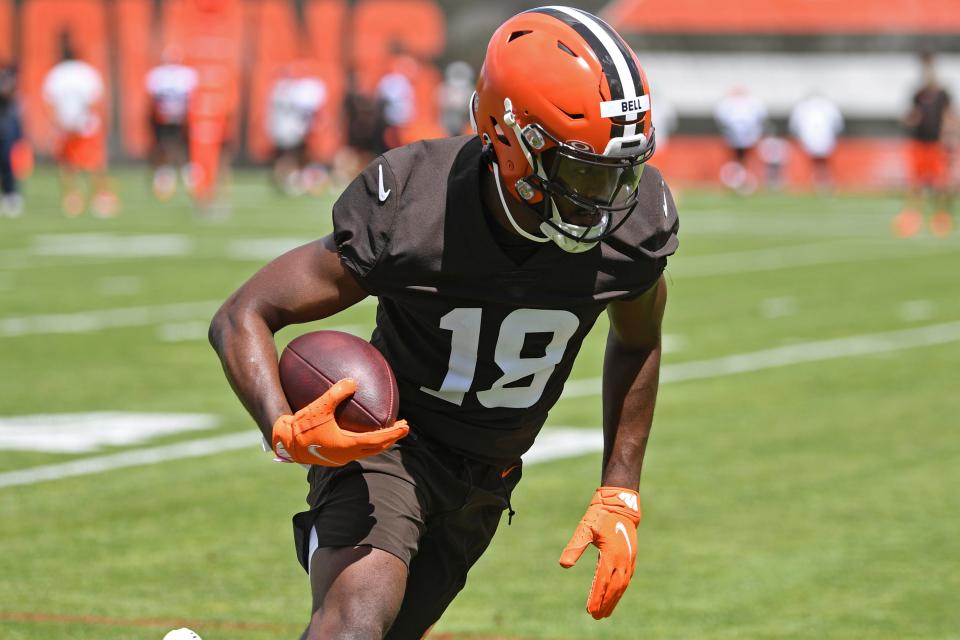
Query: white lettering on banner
point(620, 108)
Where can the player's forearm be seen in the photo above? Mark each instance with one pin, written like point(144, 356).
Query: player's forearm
point(630, 381)
point(247, 351)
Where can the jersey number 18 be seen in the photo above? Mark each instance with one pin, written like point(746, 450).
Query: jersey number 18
point(464, 323)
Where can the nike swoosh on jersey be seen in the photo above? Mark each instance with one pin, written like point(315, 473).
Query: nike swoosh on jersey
point(622, 529)
point(382, 193)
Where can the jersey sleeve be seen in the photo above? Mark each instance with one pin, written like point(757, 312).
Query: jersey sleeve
point(662, 222)
point(363, 218)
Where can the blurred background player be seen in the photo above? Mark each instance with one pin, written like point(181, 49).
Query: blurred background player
point(169, 86)
point(11, 138)
point(295, 104)
point(395, 90)
point(930, 116)
point(774, 152)
point(73, 90)
point(740, 116)
point(816, 122)
point(454, 98)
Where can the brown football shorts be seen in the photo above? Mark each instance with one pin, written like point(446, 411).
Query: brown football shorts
point(432, 508)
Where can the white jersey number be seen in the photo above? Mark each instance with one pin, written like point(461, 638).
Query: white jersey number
point(464, 323)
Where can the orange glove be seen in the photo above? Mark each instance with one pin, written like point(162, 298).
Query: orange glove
point(611, 524)
point(312, 436)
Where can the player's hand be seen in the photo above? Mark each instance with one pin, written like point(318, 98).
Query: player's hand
point(312, 436)
point(611, 524)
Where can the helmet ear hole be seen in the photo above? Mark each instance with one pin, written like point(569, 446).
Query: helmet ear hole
point(499, 132)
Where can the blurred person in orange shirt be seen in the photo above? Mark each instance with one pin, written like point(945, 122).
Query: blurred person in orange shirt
point(931, 115)
point(73, 90)
point(169, 86)
point(11, 141)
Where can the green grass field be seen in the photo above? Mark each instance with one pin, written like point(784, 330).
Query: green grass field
point(802, 479)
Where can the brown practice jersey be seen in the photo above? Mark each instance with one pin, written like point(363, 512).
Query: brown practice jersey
point(482, 346)
point(931, 104)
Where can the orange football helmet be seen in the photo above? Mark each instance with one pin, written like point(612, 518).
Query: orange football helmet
point(565, 106)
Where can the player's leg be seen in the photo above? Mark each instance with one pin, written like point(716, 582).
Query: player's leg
point(941, 222)
point(909, 221)
point(453, 543)
point(71, 199)
point(357, 592)
point(357, 542)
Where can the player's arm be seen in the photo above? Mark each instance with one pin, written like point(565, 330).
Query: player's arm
point(631, 373)
point(630, 377)
point(305, 284)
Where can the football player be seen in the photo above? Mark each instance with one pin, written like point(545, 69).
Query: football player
point(491, 257)
point(74, 93)
point(169, 86)
point(930, 122)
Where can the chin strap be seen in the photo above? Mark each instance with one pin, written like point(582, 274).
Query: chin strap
point(506, 210)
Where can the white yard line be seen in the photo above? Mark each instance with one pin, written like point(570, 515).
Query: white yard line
point(136, 457)
point(88, 321)
point(800, 353)
point(566, 441)
point(554, 442)
point(805, 255)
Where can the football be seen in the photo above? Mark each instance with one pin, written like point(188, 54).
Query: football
point(313, 362)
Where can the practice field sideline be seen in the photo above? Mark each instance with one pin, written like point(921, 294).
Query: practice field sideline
point(800, 481)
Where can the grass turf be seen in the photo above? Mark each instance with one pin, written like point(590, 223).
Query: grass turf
point(815, 499)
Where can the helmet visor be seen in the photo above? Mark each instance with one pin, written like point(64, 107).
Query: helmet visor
point(609, 185)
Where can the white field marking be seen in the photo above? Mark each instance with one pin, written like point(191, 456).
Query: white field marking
point(917, 310)
point(134, 458)
point(778, 307)
point(112, 244)
point(89, 432)
point(120, 285)
point(672, 343)
point(88, 321)
point(262, 249)
point(197, 331)
point(190, 331)
point(847, 226)
point(553, 443)
point(808, 255)
point(800, 353)
point(563, 442)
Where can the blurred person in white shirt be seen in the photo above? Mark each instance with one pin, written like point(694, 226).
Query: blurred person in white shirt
point(396, 93)
point(454, 98)
point(169, 87)
point(816, 122)
point(74, 92)
point(741, 117)
point(295, 104)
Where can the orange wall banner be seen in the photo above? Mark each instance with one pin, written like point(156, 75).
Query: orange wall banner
point(137, 56)
point(238, 47)
point(6, 31)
